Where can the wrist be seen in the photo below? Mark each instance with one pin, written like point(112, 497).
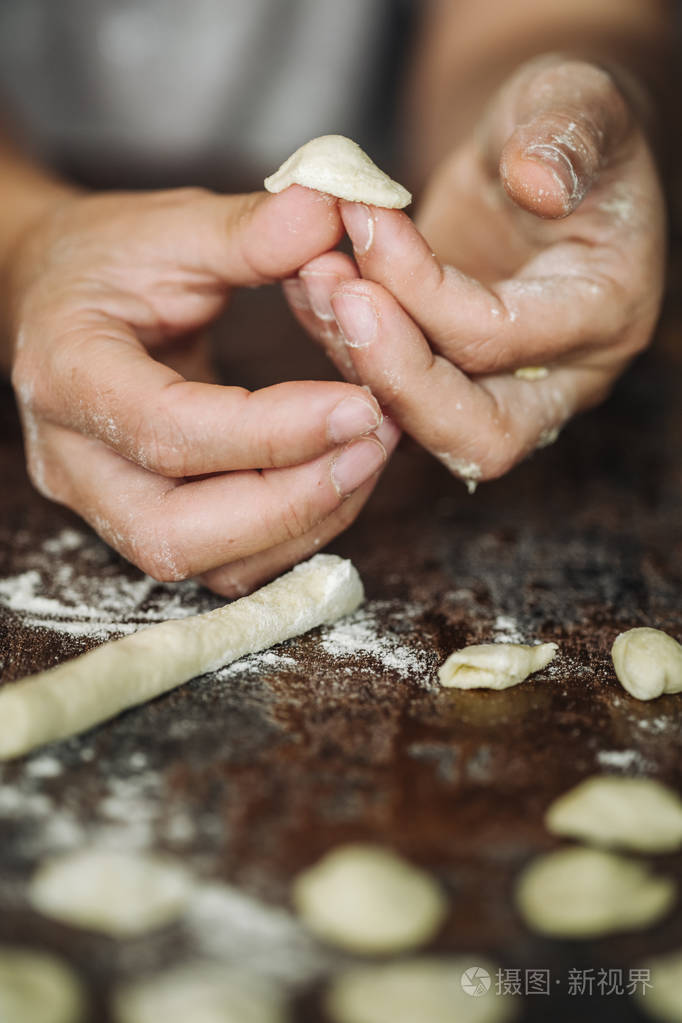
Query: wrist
point(30, 196)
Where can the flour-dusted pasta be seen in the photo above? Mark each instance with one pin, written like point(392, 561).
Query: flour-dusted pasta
point(494, 665)
point(337, 165)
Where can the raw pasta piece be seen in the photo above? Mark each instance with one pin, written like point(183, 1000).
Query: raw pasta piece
point(367, 899)
point(661, 998)
point(337, 165)
point(78, 694)
point(531, 373)
point(648, 663)
point(36, 987)
point(586, 893)
point(199, 992)
point(633, 813)
point(494, 665)
point(120, 894)
point(433, 990)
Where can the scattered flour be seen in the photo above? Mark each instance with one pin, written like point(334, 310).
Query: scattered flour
point(88, 596)
point(655, 725)
point(366, 633)
point(233, 926)
point(506, 630)
point(624, 759)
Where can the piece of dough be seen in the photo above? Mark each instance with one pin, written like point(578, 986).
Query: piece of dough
point(120, 894)
point(531, 373)
point(663, 999)
point(648, 663)
point(65, 700)
point(36, 987)
point(494, 665)
point(633, 813)
point(586, 893)
point(199, 992)
point(367, 899)
point(432, 990)
point(337, 165)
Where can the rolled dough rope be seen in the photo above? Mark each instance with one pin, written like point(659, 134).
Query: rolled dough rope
point(337, 165)
point(78, 694)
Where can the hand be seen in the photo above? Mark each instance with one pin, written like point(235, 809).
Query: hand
point(183, 478)
point(545, 249)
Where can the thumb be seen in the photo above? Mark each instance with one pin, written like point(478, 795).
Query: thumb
point(256, 238)
point(563, 124)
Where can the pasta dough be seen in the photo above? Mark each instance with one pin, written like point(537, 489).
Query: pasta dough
point(87, 690)
point(201, 993)
point(337, 165)
point(663, 1000)
point(36, 987)
point(634, 813)
point(120, 894)
point(494, 665)
point(531, 373)
point(586, 893)
point(368, 899)
point(432, 990)
point(648, 663)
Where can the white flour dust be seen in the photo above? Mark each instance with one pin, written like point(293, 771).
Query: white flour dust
point(368, 632)
point(88, 595)
point(623, 759)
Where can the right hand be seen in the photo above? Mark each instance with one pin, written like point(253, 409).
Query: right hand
point(182, 478)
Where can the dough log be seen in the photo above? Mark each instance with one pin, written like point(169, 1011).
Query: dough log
point(78, 694)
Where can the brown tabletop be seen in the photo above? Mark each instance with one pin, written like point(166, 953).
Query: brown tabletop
point(251, 773)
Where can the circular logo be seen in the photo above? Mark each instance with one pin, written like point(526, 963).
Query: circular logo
point(475, 981)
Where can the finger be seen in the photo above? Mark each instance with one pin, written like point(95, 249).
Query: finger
point(202, 239)
point(478, 429)
point(564, 301)
point(309, 296)
point(101, 382)
point(243, 576)
point(266, 237)
point(175, 531)
point(552, 131)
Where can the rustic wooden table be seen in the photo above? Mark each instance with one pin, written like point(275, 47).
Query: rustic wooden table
point(251, 773)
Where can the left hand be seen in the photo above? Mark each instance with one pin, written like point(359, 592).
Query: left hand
point(546, 247)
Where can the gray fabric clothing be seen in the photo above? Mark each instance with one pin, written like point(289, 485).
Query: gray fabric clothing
point(148, 80)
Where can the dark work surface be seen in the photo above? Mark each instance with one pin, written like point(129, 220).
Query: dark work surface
point(251, 773)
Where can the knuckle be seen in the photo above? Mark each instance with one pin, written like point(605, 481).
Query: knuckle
point(502, 452)
point(161, 445)
point(292, 514)
point(157, 556)
point(188, 194)
point(498, 463)
point(296, 517)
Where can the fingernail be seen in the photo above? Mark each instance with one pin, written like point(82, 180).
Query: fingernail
point(356, 464)
point(388, 433)
point(360, 226)
point(351, 418)
point(356, 317)
point(296, 293)
point(319, 287)
point(558, 161)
